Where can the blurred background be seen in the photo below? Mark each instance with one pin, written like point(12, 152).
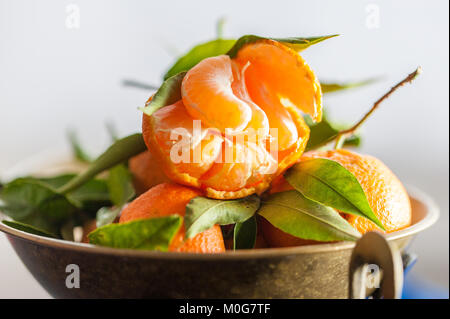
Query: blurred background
point(62, 65)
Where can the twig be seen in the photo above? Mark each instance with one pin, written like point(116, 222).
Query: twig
point(139, 85)
point(342, 135)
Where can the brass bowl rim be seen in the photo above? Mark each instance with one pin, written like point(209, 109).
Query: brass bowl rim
point(430, 218)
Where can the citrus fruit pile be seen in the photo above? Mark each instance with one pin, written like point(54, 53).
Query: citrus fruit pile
point(220, 164)
point(266, 85)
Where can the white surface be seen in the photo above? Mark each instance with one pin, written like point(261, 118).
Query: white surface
point(53, 77)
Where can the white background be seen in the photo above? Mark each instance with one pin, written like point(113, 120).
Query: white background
point(53, 77)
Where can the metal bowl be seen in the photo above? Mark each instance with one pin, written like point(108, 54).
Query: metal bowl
point(314, 271)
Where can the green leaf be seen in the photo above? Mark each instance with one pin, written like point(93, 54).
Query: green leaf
point(117, 153)
point(298, 216)
point(27, 228)
point(324, 131)
point(94, 189)
point(107, 215)
point(121, 191)
point(89, 197)
point(42, 222)
point(199, 53)
point(148, 234)
point(319, 133)
point(331, 184)
point(48, 203)
point(296, 43)
point(231, 47)
point(168, 93)
point(55, 181)
point(23, 196)
point(245, 234)
point(77, 150)
point(35, 203)
point(120, 185)
point(333, 87)
point(202, 213)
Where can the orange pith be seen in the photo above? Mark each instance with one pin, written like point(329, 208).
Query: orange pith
point(386, 195)
point(248, 107)
point(171, 199)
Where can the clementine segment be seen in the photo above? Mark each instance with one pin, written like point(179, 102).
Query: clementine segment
point(169, 133)
point(279, 117)
point(241, 165)
point(208, 95)
point(259, 122)
point(171, 199)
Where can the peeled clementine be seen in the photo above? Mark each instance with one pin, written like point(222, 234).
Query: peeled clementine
point(239, 123)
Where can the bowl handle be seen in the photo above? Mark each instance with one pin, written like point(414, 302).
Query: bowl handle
point(376, 268)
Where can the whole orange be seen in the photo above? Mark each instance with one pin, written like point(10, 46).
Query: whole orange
point(386, 195)
point(146, 172)
point(171, 199)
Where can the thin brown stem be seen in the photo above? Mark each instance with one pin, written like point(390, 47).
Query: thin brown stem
point(342, 135)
